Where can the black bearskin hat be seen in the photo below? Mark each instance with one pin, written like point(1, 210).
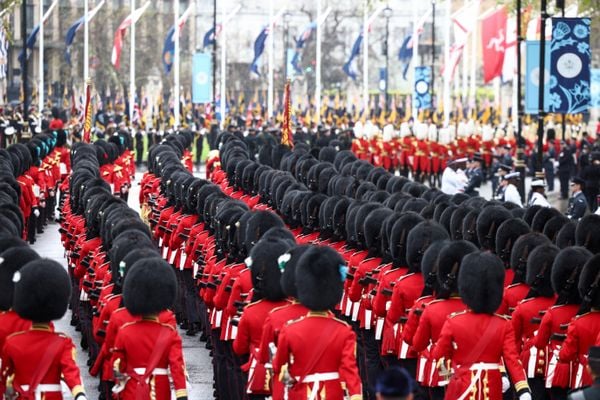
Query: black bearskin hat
point(520, 253)
point(399, 237)
point(7, 242)
point(469, 227)
point(553, 226)
point(589, 284)
point(587, 233)
point(419, 239)
point(264, 266)
point(566, 271)
point(11, 261)
point(258, 224)
point(539, 269)
point(287, 263)
point(566, 235)
point(506, 236)
point(373, 229)
point(150, 287)
point(320, 275)
point(449, 259)
point(530, 213)
point(42, 291)
point(541, 217)
point(429, 267)
point(488, 221)
point(456, 221)
point(481, 282)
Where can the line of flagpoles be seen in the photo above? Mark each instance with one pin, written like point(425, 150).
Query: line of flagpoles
point(452, 54)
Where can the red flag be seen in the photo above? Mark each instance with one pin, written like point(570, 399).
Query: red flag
point(286, 126)
point(120, 33)
point(493, 40)
point(87, 116)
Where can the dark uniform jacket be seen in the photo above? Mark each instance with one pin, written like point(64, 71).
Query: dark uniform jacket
point(577, 206)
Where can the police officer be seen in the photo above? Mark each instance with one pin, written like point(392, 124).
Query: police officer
point(566, 166)
point(475, 176)
point(577, 203)
point(511, 193)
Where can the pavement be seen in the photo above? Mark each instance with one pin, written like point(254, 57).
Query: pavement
point(197, 358)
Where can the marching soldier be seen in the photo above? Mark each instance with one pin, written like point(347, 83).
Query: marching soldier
point(35, 361)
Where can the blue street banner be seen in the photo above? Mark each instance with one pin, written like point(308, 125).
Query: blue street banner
point(290, 66)
point(532, 76)
point(595, 87)
point(570, 66)
point(201, 78)
point(348, 69)
point(422, 93)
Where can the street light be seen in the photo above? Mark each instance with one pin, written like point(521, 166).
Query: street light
point(387, 13)
point(286, 29)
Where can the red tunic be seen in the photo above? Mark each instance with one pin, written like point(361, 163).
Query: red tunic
point(581, 335)
point(134, 346)
point(301, 342)
point(467, 339)
point(23, 352)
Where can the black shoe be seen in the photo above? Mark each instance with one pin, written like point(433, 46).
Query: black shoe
point(83, 343)
point(203, 337)
point(192, 332)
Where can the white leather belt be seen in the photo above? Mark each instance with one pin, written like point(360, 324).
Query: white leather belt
point(48, 387)
point(157, 371)
point(479, 367)
point(321, 377)
point(484, 366)
point(317, 378)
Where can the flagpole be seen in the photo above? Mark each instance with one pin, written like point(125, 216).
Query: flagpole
point(271, 40)
point(447, 68)
point(415, 59)
point(222, 99)
point(41, 61)
point(473, 60)
point(132, 67)
point(86, 41)
point(366, 58)
point(318, 64)
point(176, 66)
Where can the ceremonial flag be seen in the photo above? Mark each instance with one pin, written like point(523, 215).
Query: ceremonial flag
point(3, 50)
point(209, 36)
point(509, 66)
point(463, 23)
point(286, 126)
point(532, 76)
point(87, 115)
point(493, 39)
point(202, 78)
point(422, 91)
point(33, 35)
point(169, 46)
point(259, 48)
point(355, 52)
point(70, 36)
point(305, 35)
point(570, 66)
point(120, 33)
point(405, 54)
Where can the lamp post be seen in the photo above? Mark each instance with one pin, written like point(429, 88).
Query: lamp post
point(539, 171)
point(286, 31)
point(520, 162)
point(387, 13)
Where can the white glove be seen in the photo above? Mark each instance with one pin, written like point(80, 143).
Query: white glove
point(525, 396)
point(36, 212)
point(505, 383)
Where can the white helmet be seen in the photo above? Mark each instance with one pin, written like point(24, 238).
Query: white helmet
point(359, 130)
point(388, 132)
point(421, 131)
point(487, 133)
point(432, 132)
point(404, 129)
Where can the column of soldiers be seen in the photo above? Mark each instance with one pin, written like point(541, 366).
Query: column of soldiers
point(287, 261)
point(405, 246)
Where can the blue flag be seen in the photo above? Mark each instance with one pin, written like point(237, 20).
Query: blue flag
point(70, 37)
point(305, 35)
point(259, 48)
point(169, 50)
point(30, 42)
point(405, 54)
point(570, 66)
point(296, 63)
point(595, 87)
point(202, 78)
point(532, 76)
point(355, 52)
point(422, 93)
point(209, 38)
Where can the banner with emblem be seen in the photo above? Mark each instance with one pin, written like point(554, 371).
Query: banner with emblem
point(570, 67)
point(493, 40)
point(532, 77)
point(595, 87)
point(201, 78)
point(3, 50)
point(422, 96)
